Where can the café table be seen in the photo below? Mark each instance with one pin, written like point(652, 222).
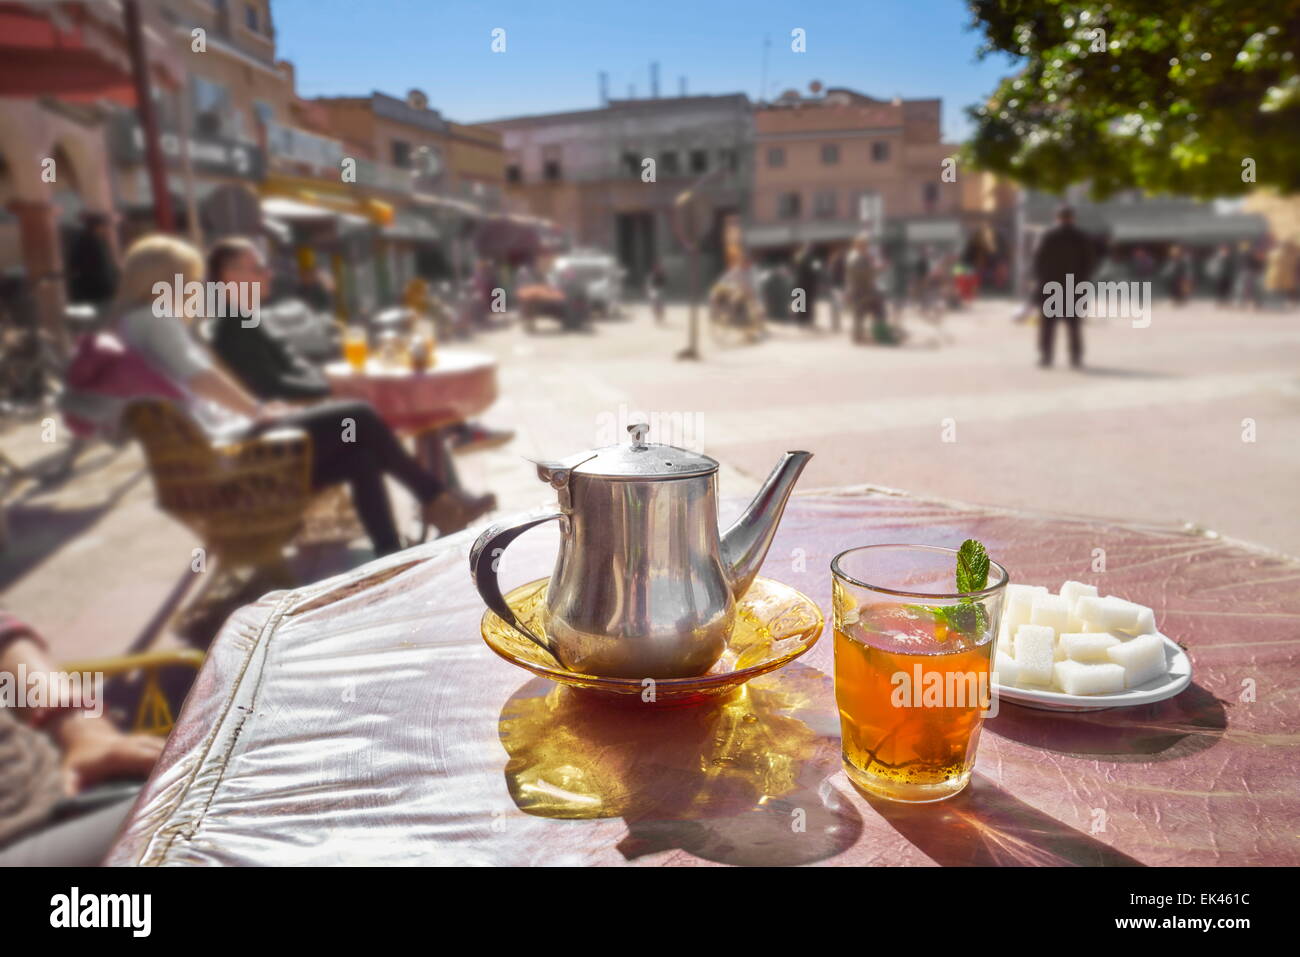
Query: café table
point(362, 719)
point(460, 384)
point(422, 405)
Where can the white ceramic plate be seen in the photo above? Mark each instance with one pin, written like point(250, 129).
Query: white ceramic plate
point(1157, 689)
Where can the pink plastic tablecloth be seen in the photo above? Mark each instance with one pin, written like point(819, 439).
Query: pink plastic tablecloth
point(362, 719)
point(461, 384)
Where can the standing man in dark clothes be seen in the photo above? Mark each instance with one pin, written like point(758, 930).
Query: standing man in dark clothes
point(806, 278)
point(92, 274)
point(1064, 250)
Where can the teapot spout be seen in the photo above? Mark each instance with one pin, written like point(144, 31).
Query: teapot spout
point(745, 544)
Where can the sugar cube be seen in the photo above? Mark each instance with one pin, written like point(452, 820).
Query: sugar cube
point(1143, 658)
point(1107, 614)
point(1137, 620)
point(1130, 617)
point(1007, 670)
point(1087, 646)
point(1050, 610)
point(1072, 591)
point(1078, 677)
point(1006, 640)
point(1035, 653)
point(1017, 604)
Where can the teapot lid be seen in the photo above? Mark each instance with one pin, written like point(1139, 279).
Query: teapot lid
point(641, 460)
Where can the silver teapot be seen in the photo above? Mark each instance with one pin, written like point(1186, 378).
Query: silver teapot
point(644, 585)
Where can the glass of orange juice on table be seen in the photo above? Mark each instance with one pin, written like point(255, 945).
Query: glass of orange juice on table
point(915, 634)
point(355, 350)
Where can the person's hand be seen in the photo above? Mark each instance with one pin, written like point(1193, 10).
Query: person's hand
point(95, 751)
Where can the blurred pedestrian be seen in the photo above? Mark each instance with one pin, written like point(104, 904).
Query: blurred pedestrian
point(1222, 273)
point(863, 295)
point(92, 273)
point(836, 272)
point(655, 283)
point(919, 283)
point(1177, 275)
point(1065, 250)
point(1250, 281)
point(807, 277)
point(1143, 265)
point(1280, 274)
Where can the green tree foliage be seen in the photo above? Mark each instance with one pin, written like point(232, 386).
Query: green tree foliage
point(1170, 95)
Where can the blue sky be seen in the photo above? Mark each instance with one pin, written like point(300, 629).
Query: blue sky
point(555, 48)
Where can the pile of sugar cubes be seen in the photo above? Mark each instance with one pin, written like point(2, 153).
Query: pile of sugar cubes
point(1076, 641)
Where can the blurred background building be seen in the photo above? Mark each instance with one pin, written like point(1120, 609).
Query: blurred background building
point(242, 153)
point(830, 164)
point(371, 190)
point(587, 171)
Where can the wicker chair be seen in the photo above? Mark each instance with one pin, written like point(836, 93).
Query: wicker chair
point(244, 499)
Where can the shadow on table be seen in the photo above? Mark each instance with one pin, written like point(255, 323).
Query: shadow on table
point(1185, 724)
point(738, 781)
point(984, 825)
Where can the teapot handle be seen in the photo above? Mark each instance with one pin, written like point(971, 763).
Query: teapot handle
point(483, 569)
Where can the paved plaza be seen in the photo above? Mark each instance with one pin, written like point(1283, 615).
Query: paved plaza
point(1193, 420)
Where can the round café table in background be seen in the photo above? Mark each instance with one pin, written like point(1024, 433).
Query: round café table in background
point(460, 384)
point(362, 719)
point(423, 405)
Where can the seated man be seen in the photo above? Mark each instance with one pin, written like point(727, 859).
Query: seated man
point(57, 807)
point(267, 367)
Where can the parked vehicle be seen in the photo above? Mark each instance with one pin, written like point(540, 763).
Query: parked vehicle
point(596, 273)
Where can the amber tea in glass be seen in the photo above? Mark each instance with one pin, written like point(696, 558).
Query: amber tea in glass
point(913, 668)
point(355, 349)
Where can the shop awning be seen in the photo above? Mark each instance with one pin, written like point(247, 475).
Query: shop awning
point(448, 206)
point(413, 228)
point(790, 234)
point(933, 231)
point(1189, 227)
point(76, 52)
point(292, 210)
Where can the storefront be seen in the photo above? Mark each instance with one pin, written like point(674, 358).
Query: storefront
point(213, 162)
point(336, 230)
point(58, 66)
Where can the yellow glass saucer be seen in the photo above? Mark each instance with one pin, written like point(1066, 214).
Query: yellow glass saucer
point(775, 624)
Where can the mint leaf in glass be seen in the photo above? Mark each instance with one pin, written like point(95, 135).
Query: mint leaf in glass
point(972, 566)
point(972, 575)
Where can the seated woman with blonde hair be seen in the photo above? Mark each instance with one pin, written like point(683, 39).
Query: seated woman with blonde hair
point(144, 319)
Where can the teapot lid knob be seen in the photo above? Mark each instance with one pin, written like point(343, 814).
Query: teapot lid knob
point(638, 431)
